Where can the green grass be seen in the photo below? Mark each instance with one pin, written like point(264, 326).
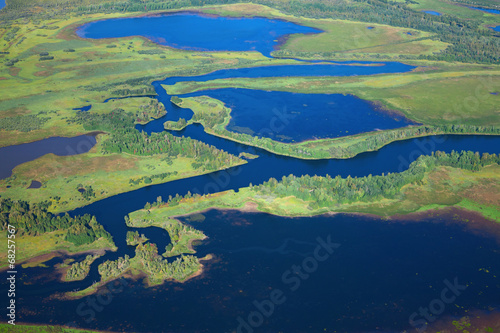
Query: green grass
point(355, 37)
point(107, 174)
point(441, 187)
point(23, 328)
point(33, 246)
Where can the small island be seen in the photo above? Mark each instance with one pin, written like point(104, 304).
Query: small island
point(79, 270)
point(133, 238)
point(147, 261)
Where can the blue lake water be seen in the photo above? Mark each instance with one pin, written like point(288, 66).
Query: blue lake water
point(487, 10)
point(12, 156)
point(294, 117)
point(431, 12)
point(2, 4)
point(497, 28)
point(199, 32)
point(334, 69)
point(83, 108)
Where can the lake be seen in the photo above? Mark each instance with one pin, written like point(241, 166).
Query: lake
point(378, 274)
point(293, 117)
point(319, 70)
point(431, 12)
point(191, 31)
point(12, 156)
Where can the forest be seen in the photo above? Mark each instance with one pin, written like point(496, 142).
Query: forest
point(33, 219)
point(124, 138)
point(24, 123)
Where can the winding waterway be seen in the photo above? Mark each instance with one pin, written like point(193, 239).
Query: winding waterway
point(378, 275)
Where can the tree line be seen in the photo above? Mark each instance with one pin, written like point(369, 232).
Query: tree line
point(371, 141)
point(33, 219)
point(124, 138)
point(327, 191)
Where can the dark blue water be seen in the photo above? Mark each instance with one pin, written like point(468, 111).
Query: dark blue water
point(432, 12)
point(294, 117)
point(487, 10)
point(84, 108)
point(12, 156)
point(334, 69)
point(497, 28)
point(344, 68)
point(2, 4)
point(377, 275)
point(199, 32)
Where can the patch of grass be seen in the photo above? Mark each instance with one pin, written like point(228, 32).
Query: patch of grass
point(33, 246)
point(22, 328)
point(360, 37)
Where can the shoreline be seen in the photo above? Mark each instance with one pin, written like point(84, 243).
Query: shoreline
point(352, 139)
point(51, 254)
